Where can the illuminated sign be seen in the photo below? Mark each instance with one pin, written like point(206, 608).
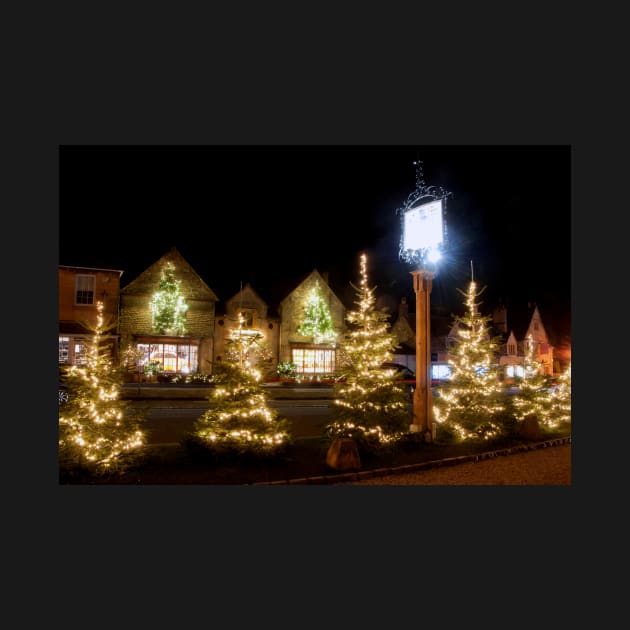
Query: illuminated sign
point(422, 227)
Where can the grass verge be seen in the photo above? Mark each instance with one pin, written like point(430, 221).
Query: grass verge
point(304, 458)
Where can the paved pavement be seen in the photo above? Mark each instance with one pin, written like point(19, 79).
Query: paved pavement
point(545, 463)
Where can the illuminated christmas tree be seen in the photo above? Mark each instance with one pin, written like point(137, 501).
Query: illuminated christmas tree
point(96, 430)
point(561, 398)
point(168, 306)
point(534, 398)
point(317, 321)
point(240, 421)
point(471, 402)
point(370, 405)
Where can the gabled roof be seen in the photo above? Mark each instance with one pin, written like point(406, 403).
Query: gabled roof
point(519, 319)
point(247, 298)
point(195, 287)
point(314, 276)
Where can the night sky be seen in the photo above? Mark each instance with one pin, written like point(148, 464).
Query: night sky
point(269, 215)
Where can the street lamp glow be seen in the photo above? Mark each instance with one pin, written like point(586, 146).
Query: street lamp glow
point(433, 255)
point(423, 228)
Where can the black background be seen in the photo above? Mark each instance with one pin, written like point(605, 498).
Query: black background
point(269, 214)
point(267, 74)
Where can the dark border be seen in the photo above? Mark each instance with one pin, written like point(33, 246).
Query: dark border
point(123, 87)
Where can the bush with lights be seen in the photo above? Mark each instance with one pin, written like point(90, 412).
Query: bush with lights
point(561, 399)
point(534, 398)
point(472, 403)
point(370, 406)
point(97, 432)
point(168, 306)
point(239, 423)
point(286, 369)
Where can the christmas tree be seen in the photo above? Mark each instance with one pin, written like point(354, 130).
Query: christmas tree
point(370, 405)
point(561, 398)
point(240, 421)
point(168, 306)
point(533, 398)
point(96, 430)
point(471, 402)
point(317, 321)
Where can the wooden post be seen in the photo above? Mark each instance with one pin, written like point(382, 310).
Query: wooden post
point(422, 396)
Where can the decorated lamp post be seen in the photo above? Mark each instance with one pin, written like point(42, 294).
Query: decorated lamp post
point(422, 243)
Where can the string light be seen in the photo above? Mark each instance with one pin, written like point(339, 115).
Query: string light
point(168, 306)
point(369, 403)
point(317, 322)
point(471, 399)
point(240, 418)
point(95, 427)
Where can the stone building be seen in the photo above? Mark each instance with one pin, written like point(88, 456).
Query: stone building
point(258, 325)
point(313, 358)
point(171, 352)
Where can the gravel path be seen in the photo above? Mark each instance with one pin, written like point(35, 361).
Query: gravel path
point(549, 466)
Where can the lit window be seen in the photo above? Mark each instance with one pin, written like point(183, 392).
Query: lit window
point(313, 360)
point(84, 289)
point(440, 371)
point(248, 318)
point(171, 357)
point(64, 349)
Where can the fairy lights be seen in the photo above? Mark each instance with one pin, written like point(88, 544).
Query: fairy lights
point(317, 321)
point(168, 306)
point(561, 398)
point(239, 418)
point(369, 404)
point(95, 428)
point(471, 400)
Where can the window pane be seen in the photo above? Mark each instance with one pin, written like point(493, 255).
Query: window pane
point(85, 289)
point(64, 349)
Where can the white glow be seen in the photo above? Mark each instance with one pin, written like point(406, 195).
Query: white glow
point(423, 227)
point(434, 255)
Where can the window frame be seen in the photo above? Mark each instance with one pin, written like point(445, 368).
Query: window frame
point(90, 281)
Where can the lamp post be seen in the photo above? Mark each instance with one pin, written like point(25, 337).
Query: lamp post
point(421, 244)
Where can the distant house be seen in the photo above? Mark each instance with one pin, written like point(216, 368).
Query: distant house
point(515, 327)
point(80, 290)
point(513, 330)
point(172, 352)
point(312, 358)
point(404, 329)
point(256, 322)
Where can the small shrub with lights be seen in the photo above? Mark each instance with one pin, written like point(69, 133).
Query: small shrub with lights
point(98, 433)
point(239, 424)
point(286, 369)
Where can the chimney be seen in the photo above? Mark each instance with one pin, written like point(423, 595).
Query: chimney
point(403, 308)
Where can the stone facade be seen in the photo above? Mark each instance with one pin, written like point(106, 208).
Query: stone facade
point(257, 321)
point(292, 313)
point(135, 308)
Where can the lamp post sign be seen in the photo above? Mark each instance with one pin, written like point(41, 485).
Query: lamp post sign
point(422, 243)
